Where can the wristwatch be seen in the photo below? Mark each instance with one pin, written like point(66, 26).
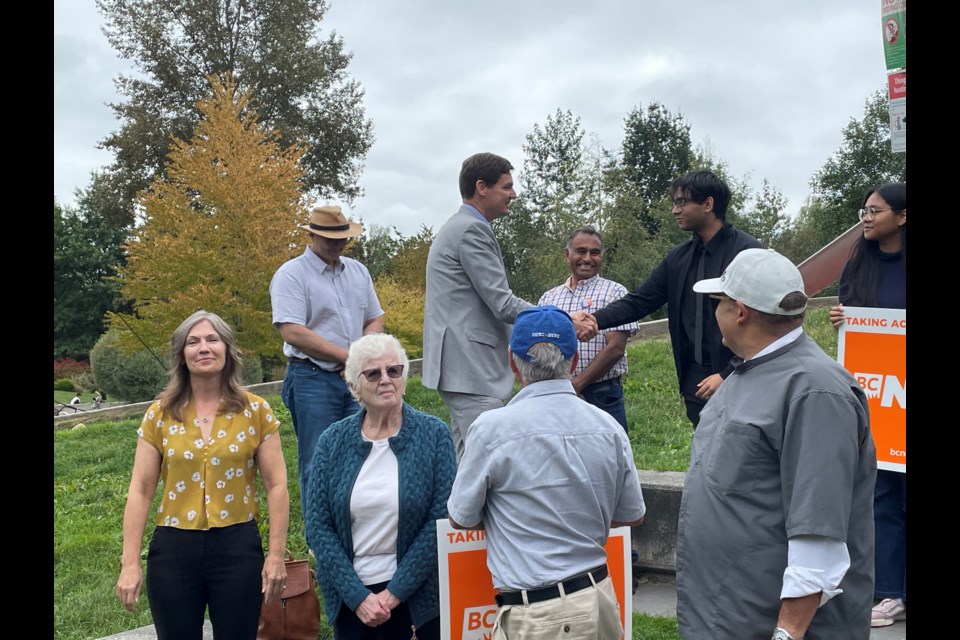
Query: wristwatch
point(782, 634)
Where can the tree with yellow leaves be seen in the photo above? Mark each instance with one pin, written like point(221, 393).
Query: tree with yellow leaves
point(217, 227)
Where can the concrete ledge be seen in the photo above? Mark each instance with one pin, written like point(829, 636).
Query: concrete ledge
point(655, 541)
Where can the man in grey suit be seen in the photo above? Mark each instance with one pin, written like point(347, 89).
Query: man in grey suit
point(469, 306)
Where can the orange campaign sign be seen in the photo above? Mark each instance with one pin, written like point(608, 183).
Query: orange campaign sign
point(872, 345)
point(467, 607)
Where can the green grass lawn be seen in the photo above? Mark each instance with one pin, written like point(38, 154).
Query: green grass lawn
point(92, 471)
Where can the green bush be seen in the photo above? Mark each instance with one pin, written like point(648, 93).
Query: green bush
point(252, 370)
point(133, 377)
point(64, 384)
point(85, 381)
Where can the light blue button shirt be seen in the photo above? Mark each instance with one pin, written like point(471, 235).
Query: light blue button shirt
point(547, 474)
point(333, 302)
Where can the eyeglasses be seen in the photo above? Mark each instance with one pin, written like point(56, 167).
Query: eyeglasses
point(680, 203)
point(374, 375)
point(870, 213)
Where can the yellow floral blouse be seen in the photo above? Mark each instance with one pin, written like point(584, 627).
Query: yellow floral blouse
point(214, 483)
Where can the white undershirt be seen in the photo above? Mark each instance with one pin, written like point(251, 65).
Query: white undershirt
point(375, 514)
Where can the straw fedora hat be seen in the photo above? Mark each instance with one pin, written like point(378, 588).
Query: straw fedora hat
point(329, 222)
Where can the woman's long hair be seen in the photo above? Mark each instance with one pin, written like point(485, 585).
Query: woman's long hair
point(177, 394)
point(861, 274)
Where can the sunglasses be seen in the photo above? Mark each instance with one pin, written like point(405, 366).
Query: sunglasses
point(374, 375)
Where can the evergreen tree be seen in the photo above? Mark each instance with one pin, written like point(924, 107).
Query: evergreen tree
point(298, 84)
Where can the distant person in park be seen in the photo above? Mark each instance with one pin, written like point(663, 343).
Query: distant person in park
point(700, 202)
point(206, 438)
point(378, 482)
point(322, 302)
point(75, 400)
point(775, 532)
point(875, 275)
point(546, 477)
point(469, 305)
point(603, 360)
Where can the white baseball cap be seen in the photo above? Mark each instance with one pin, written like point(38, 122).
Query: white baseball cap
point(760, 279)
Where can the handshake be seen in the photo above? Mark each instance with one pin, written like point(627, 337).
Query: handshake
point(585, 325)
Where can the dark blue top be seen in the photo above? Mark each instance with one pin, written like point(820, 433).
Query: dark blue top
point(892, 291)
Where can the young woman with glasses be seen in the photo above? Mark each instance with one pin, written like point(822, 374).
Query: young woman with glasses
point(378, 481)
point(875, 275)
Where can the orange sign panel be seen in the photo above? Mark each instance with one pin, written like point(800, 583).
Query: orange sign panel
point(467, 607)
point(872, 345)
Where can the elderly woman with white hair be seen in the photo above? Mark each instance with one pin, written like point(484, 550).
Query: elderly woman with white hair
point(379, 480)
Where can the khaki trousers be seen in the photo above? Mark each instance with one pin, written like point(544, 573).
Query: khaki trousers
point(589, 614)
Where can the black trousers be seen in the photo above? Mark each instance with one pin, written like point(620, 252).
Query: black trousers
point(688, 389)
point(188, 571)
point(348, 626)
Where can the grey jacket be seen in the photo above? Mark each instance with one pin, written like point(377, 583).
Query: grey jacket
point(469, 310)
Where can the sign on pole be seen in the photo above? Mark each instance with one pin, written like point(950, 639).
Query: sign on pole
point(894, 24)
point(897, 94)
point(467, 607)
point(872, 345)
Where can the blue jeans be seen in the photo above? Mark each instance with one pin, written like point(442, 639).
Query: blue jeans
point(316, 398)
point(890, 520)
point(608, 395)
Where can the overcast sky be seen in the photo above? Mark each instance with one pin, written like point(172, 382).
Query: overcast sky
point(767, 86)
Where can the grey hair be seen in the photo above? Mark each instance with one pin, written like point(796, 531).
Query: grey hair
point(547, 363)
point(370, 347)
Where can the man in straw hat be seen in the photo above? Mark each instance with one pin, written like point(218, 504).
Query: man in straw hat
point(321, 303)
point(775, 533)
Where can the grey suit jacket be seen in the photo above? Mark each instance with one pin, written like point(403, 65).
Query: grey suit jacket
point(469, 311)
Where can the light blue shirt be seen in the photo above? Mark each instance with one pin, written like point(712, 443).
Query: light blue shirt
point(546, 474)
point(333, 302)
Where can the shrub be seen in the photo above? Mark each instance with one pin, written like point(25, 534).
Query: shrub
point(69, 368)
point(252, 370)
point(133, 377)
point(85, 381)
point(64, 384)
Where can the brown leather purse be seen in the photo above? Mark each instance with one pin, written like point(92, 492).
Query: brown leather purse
point(297, 615)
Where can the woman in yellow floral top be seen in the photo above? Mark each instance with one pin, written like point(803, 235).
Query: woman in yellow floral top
point(205, 436)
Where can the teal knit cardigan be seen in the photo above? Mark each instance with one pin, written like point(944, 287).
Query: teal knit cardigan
point(427, 465)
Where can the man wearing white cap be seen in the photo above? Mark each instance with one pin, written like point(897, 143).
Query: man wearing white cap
point(775, 535)
point(547, 476)
point(321, 303)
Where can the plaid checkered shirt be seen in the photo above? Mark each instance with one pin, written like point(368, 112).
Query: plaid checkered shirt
point(590, 295)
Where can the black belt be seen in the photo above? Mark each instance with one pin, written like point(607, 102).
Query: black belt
point(292, 360)
point(603, 384)
point(549, 593)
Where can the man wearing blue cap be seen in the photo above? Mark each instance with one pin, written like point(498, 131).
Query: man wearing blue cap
point(547, 476)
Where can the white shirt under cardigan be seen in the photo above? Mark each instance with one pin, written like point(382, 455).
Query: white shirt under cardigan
point(375, 514)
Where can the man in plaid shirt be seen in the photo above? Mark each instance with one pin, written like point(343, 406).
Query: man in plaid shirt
point(603, 360)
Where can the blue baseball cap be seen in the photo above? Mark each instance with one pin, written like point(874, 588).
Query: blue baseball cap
point(546, 323)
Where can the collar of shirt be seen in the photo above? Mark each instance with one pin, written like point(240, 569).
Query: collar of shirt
point(779, 342)
point(322, 264)
point(583, 283)
point(715, 241)
point(476, 212)
point(543, 388)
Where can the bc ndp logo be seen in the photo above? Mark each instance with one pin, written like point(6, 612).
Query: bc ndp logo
point(886, 387)
point(478, 622)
